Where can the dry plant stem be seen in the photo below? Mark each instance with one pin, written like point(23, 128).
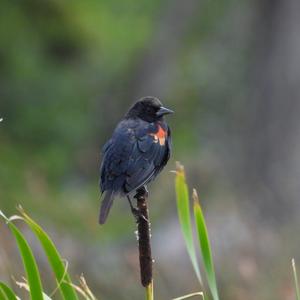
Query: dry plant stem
point(144, 238)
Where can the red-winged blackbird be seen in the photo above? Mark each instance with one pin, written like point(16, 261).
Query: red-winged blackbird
point(137, 151)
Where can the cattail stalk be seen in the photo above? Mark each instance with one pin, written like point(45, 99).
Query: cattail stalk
point(144, 236)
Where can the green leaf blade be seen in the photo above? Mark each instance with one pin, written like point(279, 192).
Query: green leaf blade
point(29, 262)
point(2, 295)
point(54, 259)
point(183, 208)
point(6, 292)
point(205, 247)
point(295, 279)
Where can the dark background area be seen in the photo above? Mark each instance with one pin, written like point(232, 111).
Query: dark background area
point(231, 72)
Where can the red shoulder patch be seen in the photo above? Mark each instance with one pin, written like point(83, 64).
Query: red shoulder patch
point(160, 136)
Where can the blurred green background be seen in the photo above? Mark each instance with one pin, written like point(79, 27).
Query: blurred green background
point(231, 72)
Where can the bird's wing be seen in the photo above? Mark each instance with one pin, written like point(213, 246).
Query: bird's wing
point(149, 154)
point(134, 155)
point(115, 157)
point(103, 165)
point(137, 151)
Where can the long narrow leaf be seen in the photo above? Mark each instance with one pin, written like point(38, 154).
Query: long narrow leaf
point(2, 295)
point(295, 279)
point(32, 272)
point(54, 258)
point(7, 292)
point(190, 296)
point(183, 207)
point(24, 285)
point(205, 246)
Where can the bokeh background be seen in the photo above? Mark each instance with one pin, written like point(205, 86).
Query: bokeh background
point(231, 72)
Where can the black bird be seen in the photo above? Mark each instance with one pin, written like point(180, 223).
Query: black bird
point(137, 151)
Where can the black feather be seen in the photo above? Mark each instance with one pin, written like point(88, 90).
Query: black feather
point(105, 206)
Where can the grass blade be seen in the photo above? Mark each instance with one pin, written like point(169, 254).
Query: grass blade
point(295, 279)
point(86, 289)
point(183, 207)
point(205, 246)
point(31, 269)
point(6, 292)
point(2, 295)
point(24, 285)
point(56, 262)
point(190, 296)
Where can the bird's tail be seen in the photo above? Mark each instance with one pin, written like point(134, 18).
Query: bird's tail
point(105, 206)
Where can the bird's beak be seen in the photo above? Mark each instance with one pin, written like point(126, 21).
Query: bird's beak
point(164, 111)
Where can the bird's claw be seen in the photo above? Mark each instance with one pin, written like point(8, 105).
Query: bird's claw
point(136, 212)
point(142, 192)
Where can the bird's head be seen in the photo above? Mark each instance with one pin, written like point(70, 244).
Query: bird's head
point(149, 109)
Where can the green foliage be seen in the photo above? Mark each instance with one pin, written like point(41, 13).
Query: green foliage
point(205, 247)
point(183, 205)
point(33, 281)
point(295, 279)
point(6, 292)
point(54, 259)
point(29, 262)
